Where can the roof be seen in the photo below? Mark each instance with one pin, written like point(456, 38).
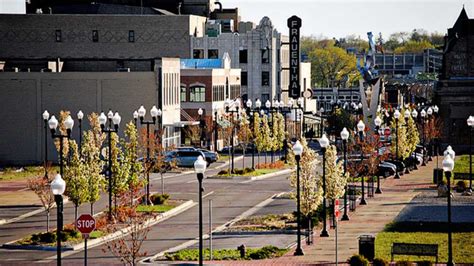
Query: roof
point(201, 63)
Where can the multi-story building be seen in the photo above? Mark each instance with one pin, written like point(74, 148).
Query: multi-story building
point(409, 64)
point(205, 84)
point(255, 50)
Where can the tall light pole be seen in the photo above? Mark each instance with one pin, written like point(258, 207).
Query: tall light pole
point(470, 123)
point(429, 112)
point(235, 110)
point(202, 124)
point(406, 115)
point(414, 114)
point(361, 128)
point(115, 119)
point(250, 113)
point(345, 137)
point(423, 116)
point(298, 151)
point(80, 116)
point(324, 142)
point(58, 186)
point(448, 166)
point(396, 115)
point(45, 120)
point(216, 130)
point(200, 168)
point(155, 112)
point(378, 123)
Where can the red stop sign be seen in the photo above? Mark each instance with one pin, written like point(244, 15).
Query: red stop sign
point(85, 223)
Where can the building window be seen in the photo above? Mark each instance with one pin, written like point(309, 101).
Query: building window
point(243, 78)
point(197, 94)
point(183, 94)
point(58, 36)
point(265, 56)
point(95, 36)
point(243, 57)
point(198, 54)
point(213, 54)
point(265, 78)
point(131, 36)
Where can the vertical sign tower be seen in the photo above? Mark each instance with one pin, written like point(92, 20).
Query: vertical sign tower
point(294, 24)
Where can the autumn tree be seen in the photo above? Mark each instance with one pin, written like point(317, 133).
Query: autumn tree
point(41, 187)
point(257, 134)
point(414, 47)
point(131, 157)
point(278, 132)
point(244, 135)
point(413, 137)
point(74, 176)
point(331, 65)
point(311, 194)
point(399, 138)
point(265, 136)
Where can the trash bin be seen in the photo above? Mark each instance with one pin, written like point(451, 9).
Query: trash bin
point(437, 176)
point(367, 246)
point(351, 191)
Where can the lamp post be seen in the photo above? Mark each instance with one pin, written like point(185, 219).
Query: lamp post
point(227, 105)
point(155, 112)
point(216, 131)
point(250, 112)
point(80, 116)
point(202, 124)
point(406, 115)
point(378, 123)
point(448, 166)
point(396, 115)
point(298, 151)
point(361, 128)
point(68, 124)
point(470, 123)
point(324, 142)
point(58, 186)
point(414, 114)
point(45, 120)
point(200, 168)
point(345, 137)
point(135, 119)
point(109, 130)
point(284, 111)
point(429, 112)
point(423, 115)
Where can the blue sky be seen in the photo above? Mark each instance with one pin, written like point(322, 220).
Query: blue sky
point(339, 18)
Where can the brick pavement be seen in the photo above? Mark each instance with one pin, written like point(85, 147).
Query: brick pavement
point(369, 219)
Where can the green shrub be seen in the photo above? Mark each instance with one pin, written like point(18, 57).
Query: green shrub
point(35, 238)
point(264, 253)
point(461, 186)
point(239, 171)
point(248, 170)
point(48, 237)
point(358, 260)
point(159, 199)
point(380, 262)
point(403, 263)
point(223, 172)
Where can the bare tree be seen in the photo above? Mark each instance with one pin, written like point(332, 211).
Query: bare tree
point(41, 187)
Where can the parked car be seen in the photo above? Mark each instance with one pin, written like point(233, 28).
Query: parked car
point(400, 166)
point(210, 156)
point(386, 169)
point(238, 149)
point(185, 158)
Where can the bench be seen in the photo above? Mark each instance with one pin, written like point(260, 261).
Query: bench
point(415, 249)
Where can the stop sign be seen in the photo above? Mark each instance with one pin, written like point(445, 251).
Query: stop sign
point(85, 223)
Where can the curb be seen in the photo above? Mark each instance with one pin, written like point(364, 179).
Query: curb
point(266, 232)
point(253, 178)
point(101, 240)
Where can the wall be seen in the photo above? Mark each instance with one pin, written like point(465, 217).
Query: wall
point(24, 97)
point(34, 36)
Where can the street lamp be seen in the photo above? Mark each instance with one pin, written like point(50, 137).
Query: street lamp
point(406, 115)
point(68, 124)
point(236, 104)
point(324, 142)
point(345, 137)
point(361, 128)
point(251, 116)
point(80, 116)
point(115, 119)
point(414, 114)
point(423, 115)
point(200, 168)
point(470, 123)
point(298, 151)
point(448, 166)
point(429, 112)
point(135, 118)
point(396, 115)
point(378, 122)
point(58, 186)
point(216, 132)
point(45, 119)
point(201, 125)
point(155, 113)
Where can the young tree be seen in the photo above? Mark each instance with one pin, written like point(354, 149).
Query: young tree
point(257, 133)
point(244, 135)
point(128, 247)
point(413, 137)
point(193, 133)
point(76, 181)
point(402, 137)
point(41, 187)
point(131, 158)
point(266, 137)
point(311, 191)
point(120, 168)
point(278, 132)
point(330, 65)
point(336, 180)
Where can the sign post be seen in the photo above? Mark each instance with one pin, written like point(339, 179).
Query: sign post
point(85, 224)
point(336, 217)
point(294, 24)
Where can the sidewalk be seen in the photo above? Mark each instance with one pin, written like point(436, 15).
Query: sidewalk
point(369, 219)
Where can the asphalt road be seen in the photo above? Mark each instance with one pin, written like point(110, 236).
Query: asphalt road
point(230, 199)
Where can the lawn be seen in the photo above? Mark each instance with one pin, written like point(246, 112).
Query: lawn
point(461, 164)
point(10, 174)
point(247, 172)
point(463, 244)
point(227, 254)
point(154, 208)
